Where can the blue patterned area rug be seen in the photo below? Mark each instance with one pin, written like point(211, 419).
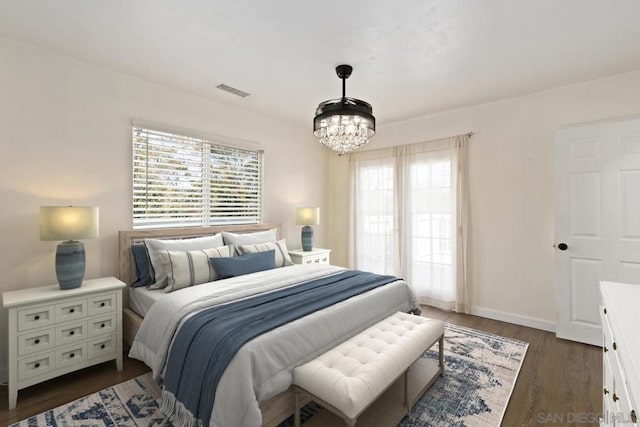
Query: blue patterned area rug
point(480, 372)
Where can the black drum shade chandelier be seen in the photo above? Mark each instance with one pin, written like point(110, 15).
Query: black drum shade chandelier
point(344, 124)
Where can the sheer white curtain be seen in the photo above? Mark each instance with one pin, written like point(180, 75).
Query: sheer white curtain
point(373, 218)
point(410, 217)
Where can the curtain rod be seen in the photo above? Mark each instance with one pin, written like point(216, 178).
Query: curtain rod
point(469, 134)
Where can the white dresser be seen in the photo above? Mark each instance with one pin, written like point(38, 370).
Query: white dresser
point(53, 331)
point(620, 315)
point(314, 256)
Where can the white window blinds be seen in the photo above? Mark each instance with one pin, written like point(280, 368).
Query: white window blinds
point(182, 181)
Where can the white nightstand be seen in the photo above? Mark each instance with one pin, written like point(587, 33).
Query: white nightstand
point(314, 256)
point(54, 332)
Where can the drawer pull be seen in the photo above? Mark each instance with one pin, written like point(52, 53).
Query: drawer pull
point(102, 304)
point(102, 325)
point(36, 317)
point(102, 346)
point(36, 341)
point(615, 347)
point(605, 310)
point(605, 349)
point(72, 355)
point(615, 397)
point(72, 310)
point(37, 365)
point(606, 391)
point(72, 332)
point(634, 417)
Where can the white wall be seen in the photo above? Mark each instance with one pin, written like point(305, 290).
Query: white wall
point(511, 158)
point(65, 138)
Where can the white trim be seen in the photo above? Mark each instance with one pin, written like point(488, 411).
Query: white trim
point(514, 318)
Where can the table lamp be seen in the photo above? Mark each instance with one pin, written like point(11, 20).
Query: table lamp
point(307, 217)
point(69, 223)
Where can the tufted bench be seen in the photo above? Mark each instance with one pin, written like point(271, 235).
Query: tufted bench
point(351, 376)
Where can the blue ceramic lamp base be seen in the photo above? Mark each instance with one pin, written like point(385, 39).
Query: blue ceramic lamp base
point(307, 238)
point(70, 264)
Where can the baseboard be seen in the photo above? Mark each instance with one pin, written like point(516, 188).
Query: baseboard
point(514, 318)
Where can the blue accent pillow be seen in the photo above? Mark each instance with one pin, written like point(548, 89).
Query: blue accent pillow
point(143, 266)
point(227, 267)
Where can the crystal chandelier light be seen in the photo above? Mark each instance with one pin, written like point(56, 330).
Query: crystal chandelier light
point(344, 124)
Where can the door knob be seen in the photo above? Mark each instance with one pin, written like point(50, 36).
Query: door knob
point(563, 246)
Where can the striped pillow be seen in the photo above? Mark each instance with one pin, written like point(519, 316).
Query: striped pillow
point(282, 255)
point(236, 239)
point(188, 268)
point(154, 246)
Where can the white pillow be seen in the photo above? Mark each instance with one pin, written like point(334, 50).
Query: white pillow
point(282, 255)
point(189, 268)
point(154, 246)
point(250, 238)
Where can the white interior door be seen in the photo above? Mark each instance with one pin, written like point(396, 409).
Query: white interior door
point(597, 213)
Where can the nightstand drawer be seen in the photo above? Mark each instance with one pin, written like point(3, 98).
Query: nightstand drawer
point(314, 256)
point(37, 317)
point(102, 304)
point(71, 310)
point(36, 365)
point(317, 259)
point(102, 325)
point(101, 346)
point(70, 333)
point(70, 356)
point(36, 342)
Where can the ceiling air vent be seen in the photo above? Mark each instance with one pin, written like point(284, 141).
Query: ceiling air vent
point(233, 90)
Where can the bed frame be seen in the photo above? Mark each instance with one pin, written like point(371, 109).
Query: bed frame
point(274, 410)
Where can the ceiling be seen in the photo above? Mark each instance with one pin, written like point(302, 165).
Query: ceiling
point(410, 57)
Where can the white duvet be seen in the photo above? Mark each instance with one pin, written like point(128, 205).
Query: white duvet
point(263, 367)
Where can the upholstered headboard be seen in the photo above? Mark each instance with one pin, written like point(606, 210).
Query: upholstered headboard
point(126, 271)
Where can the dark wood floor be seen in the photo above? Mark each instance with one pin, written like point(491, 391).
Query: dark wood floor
point(559, 384)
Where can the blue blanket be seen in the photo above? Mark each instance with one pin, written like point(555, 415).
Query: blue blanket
point(206, 342)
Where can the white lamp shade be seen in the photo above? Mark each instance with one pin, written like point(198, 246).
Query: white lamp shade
point(68, 222)
point(307, 216)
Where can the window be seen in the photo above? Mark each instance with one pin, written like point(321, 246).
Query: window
point(181, 180)
point(409, 207)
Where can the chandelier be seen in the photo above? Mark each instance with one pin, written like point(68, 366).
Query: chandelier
point(344, 124)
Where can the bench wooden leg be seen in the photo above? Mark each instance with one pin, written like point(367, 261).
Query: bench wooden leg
point(296, 410)
point(441, 352)
point(406, 391)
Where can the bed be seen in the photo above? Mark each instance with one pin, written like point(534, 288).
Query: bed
point(273, 395)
